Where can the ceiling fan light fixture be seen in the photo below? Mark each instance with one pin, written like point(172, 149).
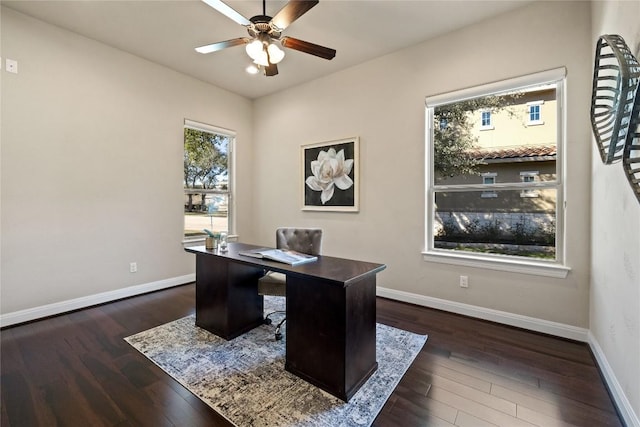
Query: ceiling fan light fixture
point(262, 59)
point(254, 49)
point(275, 53)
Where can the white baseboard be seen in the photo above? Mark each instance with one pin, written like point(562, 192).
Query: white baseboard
point(35, 313)
point(517, 320)
point(627, 413)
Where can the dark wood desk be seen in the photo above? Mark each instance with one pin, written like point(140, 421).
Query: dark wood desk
point(331, 312)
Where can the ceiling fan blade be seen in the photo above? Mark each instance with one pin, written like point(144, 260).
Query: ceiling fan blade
point(271, 70)
point(227, 11)
point(222, 45)
point(292, 11)
point(310, 48)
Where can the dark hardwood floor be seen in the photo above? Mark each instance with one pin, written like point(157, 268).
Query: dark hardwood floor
point(76, 370)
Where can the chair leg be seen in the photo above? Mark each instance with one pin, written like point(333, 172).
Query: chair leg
point(267, 319)
point(278, 333)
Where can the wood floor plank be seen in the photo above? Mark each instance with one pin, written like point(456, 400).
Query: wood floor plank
point(457, 376)
point(562, 409)
point(540, 419)
point(497, 368)
point(491, 400)
point(426, 412)
point(18, 405)
point(467, 420)
point(476, 409)
point(489, 373)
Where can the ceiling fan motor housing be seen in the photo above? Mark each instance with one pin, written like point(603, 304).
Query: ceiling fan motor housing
point(262, 24)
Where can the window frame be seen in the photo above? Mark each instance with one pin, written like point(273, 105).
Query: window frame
point(550, 268)
point(488, 193)
point(528, 192)
point(230, 192)
point(538, 121)
point(488, 126)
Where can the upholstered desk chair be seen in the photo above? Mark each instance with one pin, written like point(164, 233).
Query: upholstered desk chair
point(304, 240)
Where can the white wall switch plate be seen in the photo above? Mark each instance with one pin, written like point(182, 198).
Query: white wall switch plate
point(464, 281)
point(11, 66)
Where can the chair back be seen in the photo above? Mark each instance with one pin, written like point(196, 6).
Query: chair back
point(304, 240)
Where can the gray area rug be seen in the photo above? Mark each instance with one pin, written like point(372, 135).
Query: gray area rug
point(244, 379)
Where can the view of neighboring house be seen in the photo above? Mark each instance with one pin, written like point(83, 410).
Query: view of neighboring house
point(514, 144)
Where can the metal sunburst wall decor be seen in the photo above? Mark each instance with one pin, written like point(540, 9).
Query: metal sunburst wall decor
point(615, 109)
point(631, 153)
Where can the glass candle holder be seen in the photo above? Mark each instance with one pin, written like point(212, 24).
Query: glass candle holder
point(222, 245)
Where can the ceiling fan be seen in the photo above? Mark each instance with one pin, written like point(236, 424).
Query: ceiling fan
point(264, 31)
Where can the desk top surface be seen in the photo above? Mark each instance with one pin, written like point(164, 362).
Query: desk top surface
point(339, 270)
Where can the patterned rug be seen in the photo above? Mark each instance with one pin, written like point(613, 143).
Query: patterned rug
point(244, 379)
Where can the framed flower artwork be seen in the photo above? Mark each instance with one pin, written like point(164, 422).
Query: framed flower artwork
point(330, 176)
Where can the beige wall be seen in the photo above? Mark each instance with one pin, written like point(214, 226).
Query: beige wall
point(383, 102)
point(92, 165)
point(615, 230)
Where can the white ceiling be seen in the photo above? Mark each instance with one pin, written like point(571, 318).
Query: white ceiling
point(166, 32)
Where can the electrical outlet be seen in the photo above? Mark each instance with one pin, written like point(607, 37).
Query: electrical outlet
point(464, 281)
point(133, 267)
point(11, 65)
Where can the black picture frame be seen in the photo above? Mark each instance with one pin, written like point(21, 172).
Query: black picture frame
point(330, 176)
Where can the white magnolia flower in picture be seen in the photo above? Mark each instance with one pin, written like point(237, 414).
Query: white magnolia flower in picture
point(330, 170)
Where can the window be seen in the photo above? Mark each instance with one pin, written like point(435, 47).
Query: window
point(485, 120)
point(489, 179)
point(514, 223)
point(207, 179)
point(534, 113)
point(529, 177)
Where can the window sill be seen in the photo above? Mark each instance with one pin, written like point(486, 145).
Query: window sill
point(195, 241)
point(529, 195)
point(534, 268)
point(199, 241)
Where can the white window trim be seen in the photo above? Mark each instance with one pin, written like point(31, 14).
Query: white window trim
point(231, 204)
point(489, 262)
point(557, 268)
point(489, 175)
